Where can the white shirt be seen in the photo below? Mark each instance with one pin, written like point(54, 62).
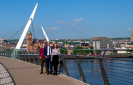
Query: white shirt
point(48, 49)
point(55, 52)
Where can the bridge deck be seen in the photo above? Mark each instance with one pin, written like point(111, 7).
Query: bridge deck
point(25, 73)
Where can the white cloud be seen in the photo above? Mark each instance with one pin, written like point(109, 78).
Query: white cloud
point(81, 30)
point(130, 29)
point(75, 21)
point(78, 20)
point(74, 24)
point(115, 32)
point(53, 28)
point(61, 22)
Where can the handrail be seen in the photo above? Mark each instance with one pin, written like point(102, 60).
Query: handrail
point(98, 57)
point(102, 49)
point(85, 49)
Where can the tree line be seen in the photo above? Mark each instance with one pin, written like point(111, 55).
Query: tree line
point(82, 51)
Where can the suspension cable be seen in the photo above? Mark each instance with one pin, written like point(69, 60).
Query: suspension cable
point(33, 30)
point(17, 32)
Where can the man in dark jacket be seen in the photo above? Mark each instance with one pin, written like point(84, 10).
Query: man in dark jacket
point(47, 54)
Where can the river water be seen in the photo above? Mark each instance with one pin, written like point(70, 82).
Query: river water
point(118, 72)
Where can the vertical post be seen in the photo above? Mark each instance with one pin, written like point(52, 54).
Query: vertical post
point(39, 58)
point(15, 54)
point(79, 52)
point(9, 54)
point(65, 68)
point(29, 58)
point(25, 57)
point(80, 71)
point(19, 56)
point(22, 57)
point(104, 53)
point(4, 53)
point(33, 58)
point(105, 78)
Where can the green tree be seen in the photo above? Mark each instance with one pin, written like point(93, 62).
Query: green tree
point(98, 51)
point(130, 51)
point(91, 50)
point(38, 47)
point(115, 52)
point(77, 51)
point(63, 51)
point(85, 51)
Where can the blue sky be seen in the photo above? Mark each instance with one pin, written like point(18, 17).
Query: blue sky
point(68, 19)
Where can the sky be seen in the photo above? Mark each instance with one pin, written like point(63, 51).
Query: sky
point(68, 19)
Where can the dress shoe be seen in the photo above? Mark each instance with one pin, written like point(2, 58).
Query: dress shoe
point(51, 73)
point(41, 72)
point(55, 72)
point(47, 73)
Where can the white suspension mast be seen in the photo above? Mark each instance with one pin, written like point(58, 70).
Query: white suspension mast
point(15, 52)
point(45, 34)
point(26, 29)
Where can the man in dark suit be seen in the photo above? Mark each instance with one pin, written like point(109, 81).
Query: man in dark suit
point(47, 54)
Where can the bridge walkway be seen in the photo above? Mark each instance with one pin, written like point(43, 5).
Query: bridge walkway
point(25, 73)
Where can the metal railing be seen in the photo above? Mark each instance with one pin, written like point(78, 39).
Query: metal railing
point(97, 69)
point(91, 69)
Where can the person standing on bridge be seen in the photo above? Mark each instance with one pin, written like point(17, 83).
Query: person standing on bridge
point(47, 53)
point(55, 57)
point(43, 59)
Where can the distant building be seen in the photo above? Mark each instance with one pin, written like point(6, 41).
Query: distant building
point(132, 36)
point(60, 44)
point(3, 40)
point(66, 45)
point(121, 52)
point(127, 44)
point(33, 45)
point(101, 43)
point(85, 45)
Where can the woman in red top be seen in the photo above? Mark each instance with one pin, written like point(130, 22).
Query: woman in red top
point(41, 55)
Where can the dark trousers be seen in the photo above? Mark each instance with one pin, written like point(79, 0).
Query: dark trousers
point(55, 69)
point(49, 62)
point(55, 62)
point(42, 62)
